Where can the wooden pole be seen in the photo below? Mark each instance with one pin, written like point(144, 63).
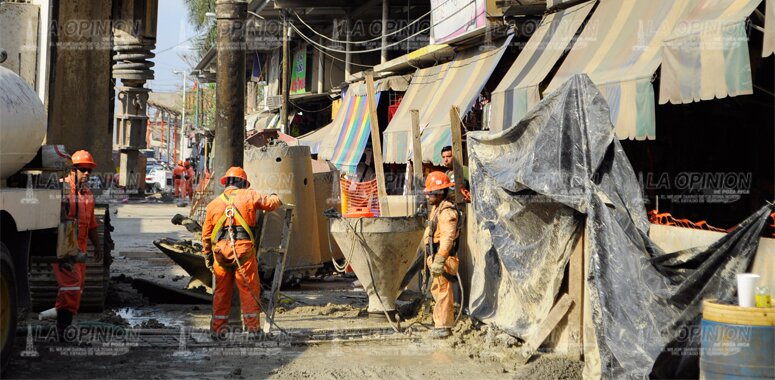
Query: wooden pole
point(457, 154)
point(417, 158)
point(286, 66)
point(376, 145)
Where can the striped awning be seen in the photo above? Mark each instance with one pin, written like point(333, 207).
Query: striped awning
point(349, 132)
point(768, 45)
point(518, 90)
point(433, 91)
point(620, 49)
point(707, 56)
point(315, 138)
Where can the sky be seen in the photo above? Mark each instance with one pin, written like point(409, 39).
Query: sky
point(173, 29)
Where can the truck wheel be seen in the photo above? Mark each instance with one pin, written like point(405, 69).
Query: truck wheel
point(7, 304)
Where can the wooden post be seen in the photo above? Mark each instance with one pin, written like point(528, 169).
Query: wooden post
point(416, 158)
point(457, 154)
point(376, 145)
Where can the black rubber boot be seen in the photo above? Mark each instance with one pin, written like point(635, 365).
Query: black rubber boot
point(64, 320)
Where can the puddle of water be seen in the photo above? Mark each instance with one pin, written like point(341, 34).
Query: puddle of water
point(173, 316)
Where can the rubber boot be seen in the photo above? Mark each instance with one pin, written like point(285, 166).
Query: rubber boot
point(440, 333)
point(64, 320)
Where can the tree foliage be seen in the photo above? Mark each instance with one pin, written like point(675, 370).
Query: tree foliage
point(197, 10)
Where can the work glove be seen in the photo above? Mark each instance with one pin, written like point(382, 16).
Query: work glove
point(437, 268)
point(209, 260)
point(66, 264)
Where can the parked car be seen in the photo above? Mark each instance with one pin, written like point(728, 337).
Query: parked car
point(158, 179)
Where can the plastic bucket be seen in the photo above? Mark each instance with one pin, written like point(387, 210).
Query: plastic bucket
point(746, 283)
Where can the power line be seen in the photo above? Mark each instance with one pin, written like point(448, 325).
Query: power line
point(391, 33)
point(356, 51)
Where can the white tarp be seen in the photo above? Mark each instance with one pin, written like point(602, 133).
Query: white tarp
point(769, 29)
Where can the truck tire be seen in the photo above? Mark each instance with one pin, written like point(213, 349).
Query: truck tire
point(7, 304)
point(43, 283)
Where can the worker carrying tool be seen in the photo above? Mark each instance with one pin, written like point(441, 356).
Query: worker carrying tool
point(70, 269)
point(230, 249)
point(179, 174)
point(449, 163)
point(440, 239)
point(190, 174)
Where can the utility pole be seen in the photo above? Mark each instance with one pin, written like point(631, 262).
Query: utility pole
point(183, 117)
point(231, 17)
point(286, 67)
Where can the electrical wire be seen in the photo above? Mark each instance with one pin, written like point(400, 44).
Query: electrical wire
point(310, 40)
point(389, 34)
point(310, 111)
point(339, 59)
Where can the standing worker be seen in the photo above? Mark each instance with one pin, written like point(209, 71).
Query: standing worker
point(440, 240)
point(230, 250)
point(70, 271)
point(449, 163)
point(179, 174)
point(189, 180)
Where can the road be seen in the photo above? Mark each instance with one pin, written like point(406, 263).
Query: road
point(329, 335)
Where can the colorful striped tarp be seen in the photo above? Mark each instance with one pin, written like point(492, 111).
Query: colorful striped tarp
point(351, 134)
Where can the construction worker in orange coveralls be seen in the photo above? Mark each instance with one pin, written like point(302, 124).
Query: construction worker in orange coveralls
point(230, 251)
point(70, 271)
point(180, 174)
point(189, 180)
point(440, 240)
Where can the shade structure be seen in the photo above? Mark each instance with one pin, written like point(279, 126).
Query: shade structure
point(433, 91)
point(518, 91)
point(707, 55)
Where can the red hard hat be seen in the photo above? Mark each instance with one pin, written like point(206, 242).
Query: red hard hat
point(186, 163)
point(83, 158)
point(437, 181)
point(236, 172)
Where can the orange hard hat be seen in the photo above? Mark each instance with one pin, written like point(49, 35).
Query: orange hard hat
point(437, 181)
point(180, 162)
point(83, 158)
point(236, 172)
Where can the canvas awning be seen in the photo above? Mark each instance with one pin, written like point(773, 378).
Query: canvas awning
point(261, 120)
point(620, 49)
point(768, 47)
point(518, 90)
point(433, 91)
point(707, 54)
point(315, 138)
point(348, 134)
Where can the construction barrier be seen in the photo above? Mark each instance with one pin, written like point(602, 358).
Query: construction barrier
point(359, 199)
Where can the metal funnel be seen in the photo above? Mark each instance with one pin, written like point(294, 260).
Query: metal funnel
point(380, 251)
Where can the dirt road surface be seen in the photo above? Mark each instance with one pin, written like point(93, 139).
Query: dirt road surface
point(329, 335)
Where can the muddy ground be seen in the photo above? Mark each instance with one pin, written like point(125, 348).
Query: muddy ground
point(329, 334)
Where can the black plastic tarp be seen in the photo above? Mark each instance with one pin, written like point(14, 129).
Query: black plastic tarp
point(533, 187)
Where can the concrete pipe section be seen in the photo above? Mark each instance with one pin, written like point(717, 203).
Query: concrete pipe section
point(380, 251)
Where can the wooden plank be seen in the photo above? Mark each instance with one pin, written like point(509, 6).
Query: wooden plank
point(376, 145)
point(552, 319)
point(457, 154)
point(417, 158)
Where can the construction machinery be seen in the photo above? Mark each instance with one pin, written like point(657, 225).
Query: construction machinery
point(30, 196)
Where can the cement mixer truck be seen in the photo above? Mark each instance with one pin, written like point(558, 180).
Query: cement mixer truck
point(30, 207)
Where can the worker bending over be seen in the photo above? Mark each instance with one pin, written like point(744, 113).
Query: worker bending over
point(440, 241)
point(70, 271)
point(230, 249)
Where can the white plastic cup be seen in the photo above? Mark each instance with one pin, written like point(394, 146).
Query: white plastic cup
point(746, 283)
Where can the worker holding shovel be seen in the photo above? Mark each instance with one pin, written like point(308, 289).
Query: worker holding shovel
point(440, 241)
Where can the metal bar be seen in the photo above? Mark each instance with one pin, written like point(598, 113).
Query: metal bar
point(282, 258)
